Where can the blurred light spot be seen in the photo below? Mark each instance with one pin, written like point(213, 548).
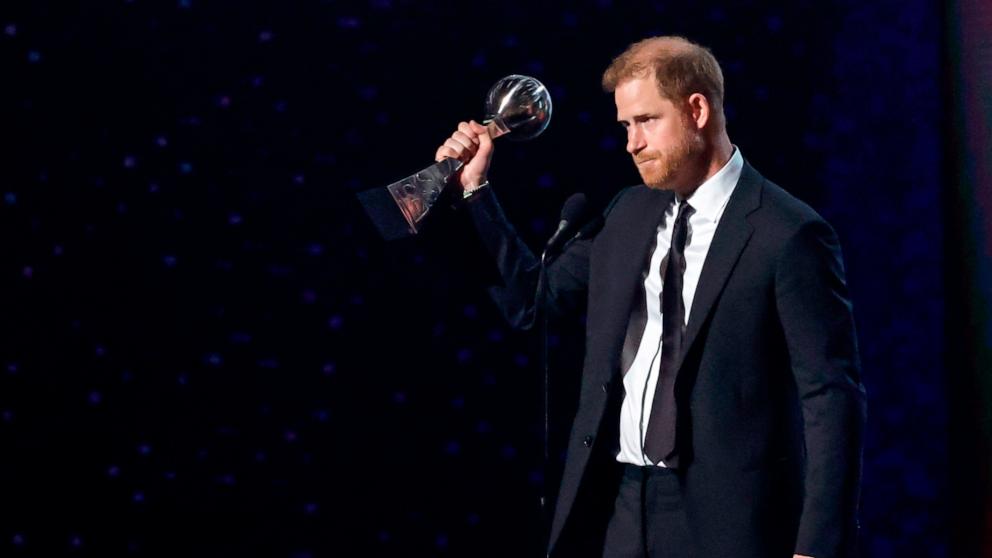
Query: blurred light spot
point(240, 338)
point(268, 363)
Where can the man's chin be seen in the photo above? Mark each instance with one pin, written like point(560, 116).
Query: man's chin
point(657, 183)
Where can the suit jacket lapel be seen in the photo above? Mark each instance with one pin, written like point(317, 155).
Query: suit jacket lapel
point(729, 240)
point(625, 255)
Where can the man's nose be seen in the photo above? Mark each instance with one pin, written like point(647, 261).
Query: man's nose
point(635, 140)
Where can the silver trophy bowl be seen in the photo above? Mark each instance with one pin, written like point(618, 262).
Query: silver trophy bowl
point(518, 107)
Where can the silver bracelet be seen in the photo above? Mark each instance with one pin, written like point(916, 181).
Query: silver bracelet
point(469, 193)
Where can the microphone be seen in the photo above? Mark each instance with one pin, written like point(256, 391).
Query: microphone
point(572, 213)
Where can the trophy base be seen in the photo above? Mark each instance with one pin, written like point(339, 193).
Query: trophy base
point(381, 208)
point(398, 210)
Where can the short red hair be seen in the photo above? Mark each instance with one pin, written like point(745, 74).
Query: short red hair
point(680, 66)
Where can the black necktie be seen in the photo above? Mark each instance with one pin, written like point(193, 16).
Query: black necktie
point(659, 443)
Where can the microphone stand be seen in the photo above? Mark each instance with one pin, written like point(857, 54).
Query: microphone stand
point(557, 244)
point(551, 250)
point(542, 319)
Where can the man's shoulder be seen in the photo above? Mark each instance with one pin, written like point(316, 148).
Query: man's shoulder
point(781, 211)
point(630, 196)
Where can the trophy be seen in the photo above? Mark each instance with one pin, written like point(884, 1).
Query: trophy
point(518, 107)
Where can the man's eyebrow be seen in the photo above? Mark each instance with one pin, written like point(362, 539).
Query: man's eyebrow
point(638, 116)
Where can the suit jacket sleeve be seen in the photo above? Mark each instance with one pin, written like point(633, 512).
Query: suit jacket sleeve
point(816, 317)
point(519, 268)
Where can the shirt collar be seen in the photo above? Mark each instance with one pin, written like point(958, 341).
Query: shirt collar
point(712, 196)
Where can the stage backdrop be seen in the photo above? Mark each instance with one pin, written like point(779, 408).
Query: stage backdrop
point(206, 350)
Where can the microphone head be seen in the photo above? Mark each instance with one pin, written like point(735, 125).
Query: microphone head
point(575, 208)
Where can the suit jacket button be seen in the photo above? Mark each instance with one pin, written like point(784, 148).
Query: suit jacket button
point(587, 442)
point(606, 387)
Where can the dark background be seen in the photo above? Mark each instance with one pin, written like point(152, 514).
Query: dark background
point(206, 349)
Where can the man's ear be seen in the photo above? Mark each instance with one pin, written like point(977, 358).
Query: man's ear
point(700, 110)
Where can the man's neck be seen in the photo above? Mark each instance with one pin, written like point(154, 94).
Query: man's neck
point(713, 159)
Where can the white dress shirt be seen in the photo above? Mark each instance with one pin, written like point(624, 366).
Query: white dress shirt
point(708, 201)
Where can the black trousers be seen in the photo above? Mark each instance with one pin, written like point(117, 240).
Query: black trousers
point(649, 519)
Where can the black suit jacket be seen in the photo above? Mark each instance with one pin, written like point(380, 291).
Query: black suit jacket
point(770, 402)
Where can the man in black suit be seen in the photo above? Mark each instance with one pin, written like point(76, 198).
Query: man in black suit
point(721, 410)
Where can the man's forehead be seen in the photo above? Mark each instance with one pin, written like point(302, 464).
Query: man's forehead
point(637, 94)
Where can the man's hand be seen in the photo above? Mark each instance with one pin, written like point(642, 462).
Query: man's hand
point(471, 145)
point(800, 556)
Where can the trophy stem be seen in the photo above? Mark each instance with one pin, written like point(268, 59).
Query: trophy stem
point(496, 127)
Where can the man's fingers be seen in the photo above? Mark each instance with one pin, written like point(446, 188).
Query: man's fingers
point(472, 144)
point(460, 150)
point(445, 152)
point(469, 132)
point(482, 133)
